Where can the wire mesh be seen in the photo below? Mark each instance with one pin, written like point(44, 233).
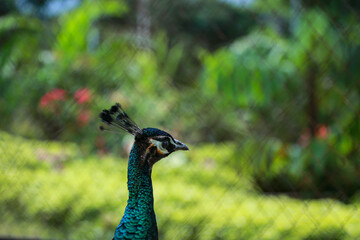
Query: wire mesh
point(266, 93)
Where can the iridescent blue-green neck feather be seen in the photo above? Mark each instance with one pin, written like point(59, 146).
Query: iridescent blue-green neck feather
point(139, 220)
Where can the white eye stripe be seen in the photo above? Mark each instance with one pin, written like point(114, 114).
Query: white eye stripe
point(166, 138)
point(172, 141)
point(158, 144)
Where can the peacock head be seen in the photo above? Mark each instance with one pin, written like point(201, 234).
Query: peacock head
point(156, 143)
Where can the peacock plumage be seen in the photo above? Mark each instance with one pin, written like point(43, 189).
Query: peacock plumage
point(151, 145)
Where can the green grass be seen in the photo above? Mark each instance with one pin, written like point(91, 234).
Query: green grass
point(51, 190)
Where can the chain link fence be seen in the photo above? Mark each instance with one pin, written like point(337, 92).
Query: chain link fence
point(265, 93)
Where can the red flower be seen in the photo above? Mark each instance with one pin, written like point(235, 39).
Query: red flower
point(48, 98)
point(82, 95)
point(83, 118)
point(321, 131)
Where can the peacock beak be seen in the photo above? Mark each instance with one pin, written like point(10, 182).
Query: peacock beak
point(180, 146)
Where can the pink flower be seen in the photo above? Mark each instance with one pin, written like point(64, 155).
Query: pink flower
point(82, 95)
point(83, 118)
point(52, 96)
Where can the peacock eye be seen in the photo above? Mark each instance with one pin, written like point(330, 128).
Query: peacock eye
point(165, 144)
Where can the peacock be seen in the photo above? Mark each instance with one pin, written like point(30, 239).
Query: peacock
point(151, 145)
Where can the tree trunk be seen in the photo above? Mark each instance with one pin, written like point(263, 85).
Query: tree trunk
point(143, 22)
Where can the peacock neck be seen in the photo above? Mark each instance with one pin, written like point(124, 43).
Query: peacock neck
point(139, 176)
point(139, 220)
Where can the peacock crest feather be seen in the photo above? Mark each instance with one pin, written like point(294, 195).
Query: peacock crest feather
point(117, 118)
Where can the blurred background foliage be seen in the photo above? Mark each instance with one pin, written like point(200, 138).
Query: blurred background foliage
point(266, 93)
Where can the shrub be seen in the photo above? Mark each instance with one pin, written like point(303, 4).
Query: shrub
point(200, 197)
